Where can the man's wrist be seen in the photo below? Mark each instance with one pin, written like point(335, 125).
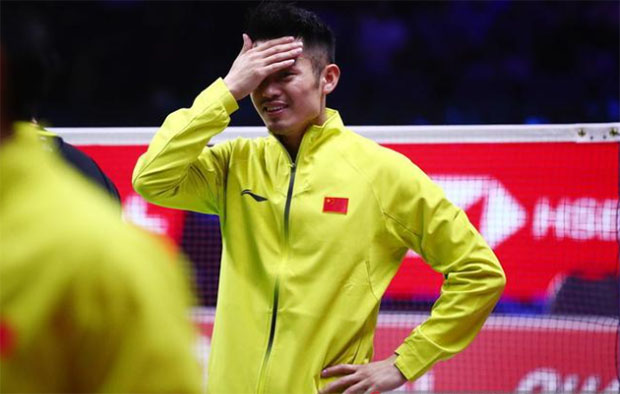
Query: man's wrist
point(231, 88)
point(393, 359)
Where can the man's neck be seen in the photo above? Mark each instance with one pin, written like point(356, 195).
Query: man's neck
point(292, 142)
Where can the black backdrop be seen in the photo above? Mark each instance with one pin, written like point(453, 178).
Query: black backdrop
point(129, 63)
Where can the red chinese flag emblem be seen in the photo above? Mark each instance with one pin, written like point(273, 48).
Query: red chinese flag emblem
point(335, 204)
point(7, 339)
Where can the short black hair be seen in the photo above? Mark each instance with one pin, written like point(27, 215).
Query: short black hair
point(30, 59)
point(272, 19)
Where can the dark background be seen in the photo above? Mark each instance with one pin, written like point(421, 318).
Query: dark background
point(130, 63)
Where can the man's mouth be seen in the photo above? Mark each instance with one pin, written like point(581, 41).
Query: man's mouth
point(274, 109)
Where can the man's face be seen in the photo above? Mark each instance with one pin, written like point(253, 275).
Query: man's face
point(290, 100)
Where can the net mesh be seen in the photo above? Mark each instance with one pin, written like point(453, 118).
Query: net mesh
point(548, 209)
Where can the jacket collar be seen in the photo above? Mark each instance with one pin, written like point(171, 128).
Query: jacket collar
point(316, 134)
point(332, 122)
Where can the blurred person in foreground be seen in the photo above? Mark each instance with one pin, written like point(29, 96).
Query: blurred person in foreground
point(315, 222)
point(87, 303)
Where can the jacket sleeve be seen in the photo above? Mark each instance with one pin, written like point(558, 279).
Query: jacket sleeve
point(178, 170)
point(421, 217)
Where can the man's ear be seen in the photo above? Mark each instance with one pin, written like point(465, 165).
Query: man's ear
point(330, 77)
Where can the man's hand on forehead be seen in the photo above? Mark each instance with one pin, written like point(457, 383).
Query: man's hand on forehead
point(258, 60)
point(258, 43)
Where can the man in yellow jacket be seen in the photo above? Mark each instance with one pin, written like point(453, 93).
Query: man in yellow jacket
point(315, 222)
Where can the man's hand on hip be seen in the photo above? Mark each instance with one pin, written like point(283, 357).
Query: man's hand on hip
point(378, 376)
point(253, 64)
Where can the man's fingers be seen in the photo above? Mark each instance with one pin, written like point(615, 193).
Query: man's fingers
point(275, 67)
point(360, 387)
point(271, 43)
point(341, 369)
point(247, 43)
point(278, 57)
point(281, 48)
point(341, 384)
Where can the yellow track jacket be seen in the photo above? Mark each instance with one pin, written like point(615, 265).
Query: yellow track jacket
point(310, 246)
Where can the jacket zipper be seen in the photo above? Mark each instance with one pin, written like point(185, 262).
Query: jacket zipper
point(276, 292)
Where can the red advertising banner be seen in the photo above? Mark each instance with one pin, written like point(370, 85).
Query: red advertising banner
point(547, 209)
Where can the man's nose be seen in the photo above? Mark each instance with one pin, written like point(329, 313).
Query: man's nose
point(269, 88)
